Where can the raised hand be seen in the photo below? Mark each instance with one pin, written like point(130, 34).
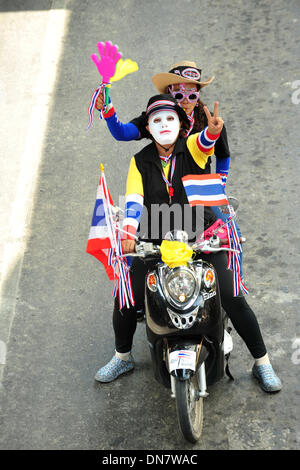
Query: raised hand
point(214, 122)
point(109, 56)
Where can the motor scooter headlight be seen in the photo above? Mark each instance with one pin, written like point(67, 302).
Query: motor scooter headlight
point(181, 285)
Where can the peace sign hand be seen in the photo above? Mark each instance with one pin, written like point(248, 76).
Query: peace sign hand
point(214, 122)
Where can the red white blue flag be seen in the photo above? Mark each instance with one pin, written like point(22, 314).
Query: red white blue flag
point(104, 244)
point(93, 104)
point(99, 242)
point(209, 190)
point(234, 259)
point(205, 190)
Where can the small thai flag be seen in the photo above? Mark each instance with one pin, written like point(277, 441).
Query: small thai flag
point(99, 243)
point(104, 244)
point(205, 190)
point(185, 354)
point(209, 190)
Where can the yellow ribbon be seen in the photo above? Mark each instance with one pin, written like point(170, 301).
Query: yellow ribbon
point(175, 253)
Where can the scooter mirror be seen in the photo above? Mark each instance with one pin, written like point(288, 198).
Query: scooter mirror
point(233, 202)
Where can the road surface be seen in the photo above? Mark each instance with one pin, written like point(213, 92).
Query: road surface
point(56, 304)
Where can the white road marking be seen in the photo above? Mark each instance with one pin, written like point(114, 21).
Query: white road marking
point(21, 212)
point(2, 353)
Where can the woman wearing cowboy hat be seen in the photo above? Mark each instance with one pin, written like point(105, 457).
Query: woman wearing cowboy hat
point(155, 177)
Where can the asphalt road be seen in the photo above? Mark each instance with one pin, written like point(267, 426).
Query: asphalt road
point(56, 301)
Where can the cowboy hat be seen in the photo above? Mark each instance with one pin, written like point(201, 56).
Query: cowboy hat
point(183, 72)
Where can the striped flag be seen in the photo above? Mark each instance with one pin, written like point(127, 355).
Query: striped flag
point(205, 190)
point(99, 243)
point(234, 259)
point(209, 190)
point(93, 104)
point(104, 244)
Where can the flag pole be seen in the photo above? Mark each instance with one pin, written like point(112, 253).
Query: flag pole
point(113, 235)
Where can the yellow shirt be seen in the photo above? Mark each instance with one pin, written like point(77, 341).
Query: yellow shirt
point(134, 179)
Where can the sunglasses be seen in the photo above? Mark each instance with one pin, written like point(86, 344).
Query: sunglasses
point(179, 95)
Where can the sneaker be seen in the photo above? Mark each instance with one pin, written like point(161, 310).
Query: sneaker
point(114, 368)
point(267, 378)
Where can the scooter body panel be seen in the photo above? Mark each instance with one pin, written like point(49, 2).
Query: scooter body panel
point(206, 333)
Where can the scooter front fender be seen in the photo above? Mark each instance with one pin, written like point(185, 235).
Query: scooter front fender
point(183, 374)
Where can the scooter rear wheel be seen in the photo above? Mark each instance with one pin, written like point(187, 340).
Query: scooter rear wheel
point(189, 409)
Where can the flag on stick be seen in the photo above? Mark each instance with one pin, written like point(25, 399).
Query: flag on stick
point(104, 243)
point(234, 258)
point(209, 190)
point(204, 190)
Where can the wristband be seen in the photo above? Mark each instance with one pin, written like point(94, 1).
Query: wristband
point(109, 111)
point(212, 136)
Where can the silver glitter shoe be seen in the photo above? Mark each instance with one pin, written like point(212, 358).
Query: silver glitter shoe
point(114, 369)
point(267, 378)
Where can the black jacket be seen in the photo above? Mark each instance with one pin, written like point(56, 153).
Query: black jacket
point(161, 214)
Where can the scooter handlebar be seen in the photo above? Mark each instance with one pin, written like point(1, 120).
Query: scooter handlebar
point(213, 245)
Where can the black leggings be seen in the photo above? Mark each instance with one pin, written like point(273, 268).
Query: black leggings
point(241, 315)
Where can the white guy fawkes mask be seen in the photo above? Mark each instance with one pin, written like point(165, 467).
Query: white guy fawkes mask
point(164, 127)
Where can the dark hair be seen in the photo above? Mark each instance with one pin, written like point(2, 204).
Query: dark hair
point(199, 116)
point(183, 129)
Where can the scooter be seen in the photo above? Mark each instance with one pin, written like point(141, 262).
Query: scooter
point(187, 329)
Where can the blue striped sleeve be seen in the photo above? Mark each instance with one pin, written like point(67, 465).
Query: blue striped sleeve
point(120, 131)
point(222, 165)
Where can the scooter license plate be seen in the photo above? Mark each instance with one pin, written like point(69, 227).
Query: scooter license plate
point(182, 359)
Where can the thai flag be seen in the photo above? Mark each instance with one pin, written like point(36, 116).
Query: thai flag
point(105, 244)
point(205, 190)
point(234, 260)
point(99, 242)
point(209, 190)
point(185, 354)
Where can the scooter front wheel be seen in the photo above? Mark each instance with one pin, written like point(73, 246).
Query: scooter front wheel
point(189, 407)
